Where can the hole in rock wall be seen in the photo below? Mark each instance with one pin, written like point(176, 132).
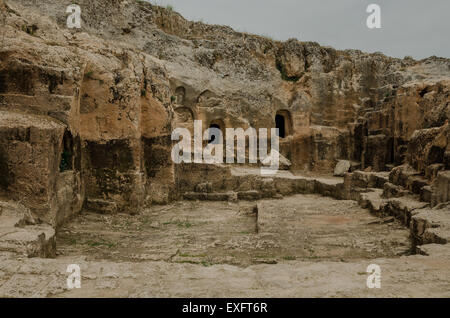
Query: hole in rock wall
point(283, 123)
point(280, 124)
point(5, 177)
point(219, 124)
point(66, 162)
point(436, 155)
point(212, 137)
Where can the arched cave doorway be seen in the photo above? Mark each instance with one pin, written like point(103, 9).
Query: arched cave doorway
point(280, 124)
point(219, 125)
point(283, 123)
point(180, 94)
point(212, 138)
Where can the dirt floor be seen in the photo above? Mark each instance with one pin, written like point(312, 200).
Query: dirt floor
point(302, 227)
point(299, 246)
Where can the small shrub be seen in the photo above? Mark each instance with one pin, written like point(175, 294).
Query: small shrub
point(31, 30)
point(89, 75)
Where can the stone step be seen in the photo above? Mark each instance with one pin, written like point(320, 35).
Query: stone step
point(433, 249)
point(404, 208)
point(101, 206)
point(431, 225)
point(399, 175)
point(211, 196)
point(391, 190)
point(426, 194)
point(416, 183)
point(20, 234)
point(373, 201)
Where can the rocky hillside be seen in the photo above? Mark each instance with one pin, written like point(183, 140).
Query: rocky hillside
point(86, 114)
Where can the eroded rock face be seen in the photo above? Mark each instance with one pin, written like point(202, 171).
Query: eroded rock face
point(115, 89)
point(342, 167)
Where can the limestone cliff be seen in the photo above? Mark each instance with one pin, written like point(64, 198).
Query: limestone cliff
point(86, 115)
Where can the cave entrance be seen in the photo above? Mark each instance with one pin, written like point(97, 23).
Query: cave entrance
point(280, 124)
point(66, 162)
point(283, 123)
point(219, 124)
point(212, 138)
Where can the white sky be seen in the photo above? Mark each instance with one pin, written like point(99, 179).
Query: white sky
point(418, 28)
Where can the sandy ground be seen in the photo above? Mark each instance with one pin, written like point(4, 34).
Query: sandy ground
point(300, 246)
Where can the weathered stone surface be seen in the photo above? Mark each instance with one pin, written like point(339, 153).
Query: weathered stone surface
point(373, 201)
point(86, 118)
point(211, 196)
point(393, 191)
point(441, 188)
point(431, 225)
point(204, 187)
point(400, 175)
point(426, 194)
point(31, 147)
point(20, 233)
point(251, 195)
point(342, 167)
point(404, 208)
point(121, 103)
point(101, 206)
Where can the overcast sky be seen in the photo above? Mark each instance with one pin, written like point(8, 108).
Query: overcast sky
point(418, 28)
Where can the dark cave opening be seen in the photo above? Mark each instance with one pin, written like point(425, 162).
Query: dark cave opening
point(280, 123)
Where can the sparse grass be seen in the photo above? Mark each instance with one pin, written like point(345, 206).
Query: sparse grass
point(89, 75)
point(189, 255)
point(100, 242)
point(289, 258)
point(206, 264)
point(187, 262)
point(145, 219)
point(169, 8)
point(73, 242)
point(180, 224)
